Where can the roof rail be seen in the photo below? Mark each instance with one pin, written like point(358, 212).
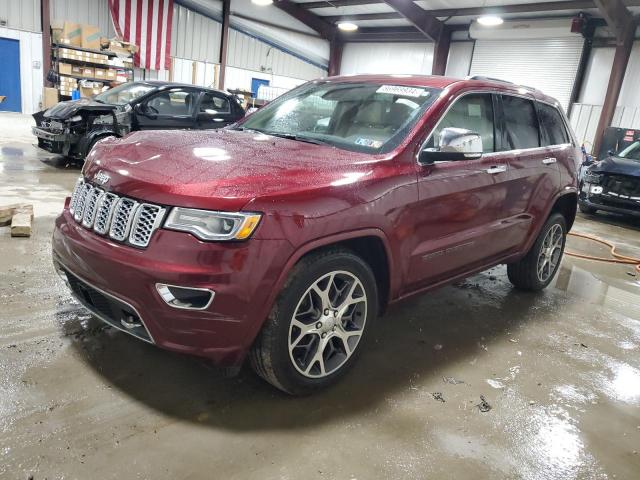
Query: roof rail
point(491, 79)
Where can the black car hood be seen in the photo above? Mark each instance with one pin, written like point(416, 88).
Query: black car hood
point(64, 110)
point(618, 165)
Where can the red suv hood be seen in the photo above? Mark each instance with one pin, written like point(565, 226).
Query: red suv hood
point(220, 169)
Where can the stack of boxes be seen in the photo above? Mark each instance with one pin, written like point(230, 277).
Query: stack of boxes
point(80, 37)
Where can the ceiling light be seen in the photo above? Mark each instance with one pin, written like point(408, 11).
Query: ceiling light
point(262, 3)
point(490, 21)
point(347, 26)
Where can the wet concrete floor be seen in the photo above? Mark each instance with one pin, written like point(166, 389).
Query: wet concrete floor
point(559, 372)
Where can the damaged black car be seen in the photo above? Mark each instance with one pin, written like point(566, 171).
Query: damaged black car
point(72, 128)
point(613, 184)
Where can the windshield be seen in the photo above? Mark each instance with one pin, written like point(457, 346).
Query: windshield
point(124, 93)
point(632, 152)
point(363, 117)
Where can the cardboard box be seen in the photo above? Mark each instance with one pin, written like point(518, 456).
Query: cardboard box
point(72, 34)
point(111, 74)
point(49, 98)
point(65, 69)
point(88, 91)
point(90, 37)
point(88, 72)
point(100, 72)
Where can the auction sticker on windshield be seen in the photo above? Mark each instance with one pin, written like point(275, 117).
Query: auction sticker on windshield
point(401, 90)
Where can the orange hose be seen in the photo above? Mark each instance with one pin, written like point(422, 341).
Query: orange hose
point(618, 258)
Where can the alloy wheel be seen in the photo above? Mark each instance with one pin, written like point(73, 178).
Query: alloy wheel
point(550, 253)
point(327, 324)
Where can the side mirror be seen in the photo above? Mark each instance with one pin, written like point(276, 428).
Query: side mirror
point(610, 152)
point(455, 144)
point(144, 110)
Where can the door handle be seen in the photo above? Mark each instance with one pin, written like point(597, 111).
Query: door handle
point(496, 169)
point(549, 161)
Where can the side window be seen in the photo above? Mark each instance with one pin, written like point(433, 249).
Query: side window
point(175, 102)
point(472, 112)
point(214, 104)
point(553, 129)
point(520, 123)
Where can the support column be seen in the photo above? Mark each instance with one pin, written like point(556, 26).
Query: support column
point(224, 42)
point(441, 52)
point(335, 57)
point(45, 16)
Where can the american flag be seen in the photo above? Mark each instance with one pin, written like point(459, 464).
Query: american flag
point(146, 23)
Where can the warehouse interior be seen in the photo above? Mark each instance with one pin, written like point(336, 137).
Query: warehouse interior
point(475, 379)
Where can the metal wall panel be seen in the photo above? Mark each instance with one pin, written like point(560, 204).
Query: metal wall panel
point(548, 64)
point(92, 12)
point(585, 117)
point(30, 67)
point(195, 36)
point(21, 14)
point(248, 53)
point(399, 58)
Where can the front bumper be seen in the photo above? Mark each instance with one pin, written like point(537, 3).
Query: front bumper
point(608, 202)
point(241, 274)
point(49, 136)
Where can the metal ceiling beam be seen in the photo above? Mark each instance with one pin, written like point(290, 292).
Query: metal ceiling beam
point(457, 12)
point(327, 30)
point(624, 25)
point(419, 17)
point(224, 42)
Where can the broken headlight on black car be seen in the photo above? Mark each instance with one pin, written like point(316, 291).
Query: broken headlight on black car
point(594, 178)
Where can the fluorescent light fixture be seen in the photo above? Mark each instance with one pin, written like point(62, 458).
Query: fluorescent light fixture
point(347, 26)
point(490, 20)
point(262, 3)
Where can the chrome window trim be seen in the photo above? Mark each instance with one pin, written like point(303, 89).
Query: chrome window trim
point(492, 92)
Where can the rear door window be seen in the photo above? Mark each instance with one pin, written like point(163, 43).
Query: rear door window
point(520, 123)
point(553, 129)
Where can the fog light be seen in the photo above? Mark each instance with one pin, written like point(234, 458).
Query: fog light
point(185, 297)
point(596, 189)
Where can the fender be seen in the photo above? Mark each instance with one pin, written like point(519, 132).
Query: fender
point(313, 245)
point(567, 190)
point(88, 139)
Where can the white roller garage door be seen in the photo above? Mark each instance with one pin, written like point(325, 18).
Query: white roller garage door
point(548, 64)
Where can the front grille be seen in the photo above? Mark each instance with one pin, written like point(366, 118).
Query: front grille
point(107, 308)
point(622, 185)
point(122, 218)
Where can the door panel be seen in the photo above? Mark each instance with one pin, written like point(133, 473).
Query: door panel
point(460, 221)
point(10, 75)
point(168, 109)
point(534, 172)
point(214, 111)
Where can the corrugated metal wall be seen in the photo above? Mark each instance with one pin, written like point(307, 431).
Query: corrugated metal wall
point(21, 14)
point(400, 58)
point(585, 117)
point(195, 36)
point(30, 66)
point(93, 12)
point(249, 53)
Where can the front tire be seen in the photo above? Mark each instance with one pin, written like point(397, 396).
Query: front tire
point(316, 328)
point(536, 270)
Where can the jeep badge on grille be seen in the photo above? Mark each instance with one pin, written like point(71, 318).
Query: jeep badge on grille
point(101, 177)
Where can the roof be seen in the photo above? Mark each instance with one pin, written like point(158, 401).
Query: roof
point(160, 83)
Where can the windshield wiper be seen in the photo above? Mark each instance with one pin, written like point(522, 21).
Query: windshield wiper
point(299, 138)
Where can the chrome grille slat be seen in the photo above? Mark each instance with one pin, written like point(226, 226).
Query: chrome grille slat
point(104, 211)
point(122, 219)
point(90, 204)
point(144, 223)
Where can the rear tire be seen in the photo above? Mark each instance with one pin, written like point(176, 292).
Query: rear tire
point(317, 326)
point(536, 270)
point(586, 209)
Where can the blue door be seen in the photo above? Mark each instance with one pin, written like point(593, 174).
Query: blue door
point(255, 85)
point(10, 75)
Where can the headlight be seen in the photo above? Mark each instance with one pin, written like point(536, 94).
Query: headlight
point(208, 225)
point(592, 177)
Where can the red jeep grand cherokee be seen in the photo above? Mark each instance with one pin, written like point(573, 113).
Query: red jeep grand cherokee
point(284, 236)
